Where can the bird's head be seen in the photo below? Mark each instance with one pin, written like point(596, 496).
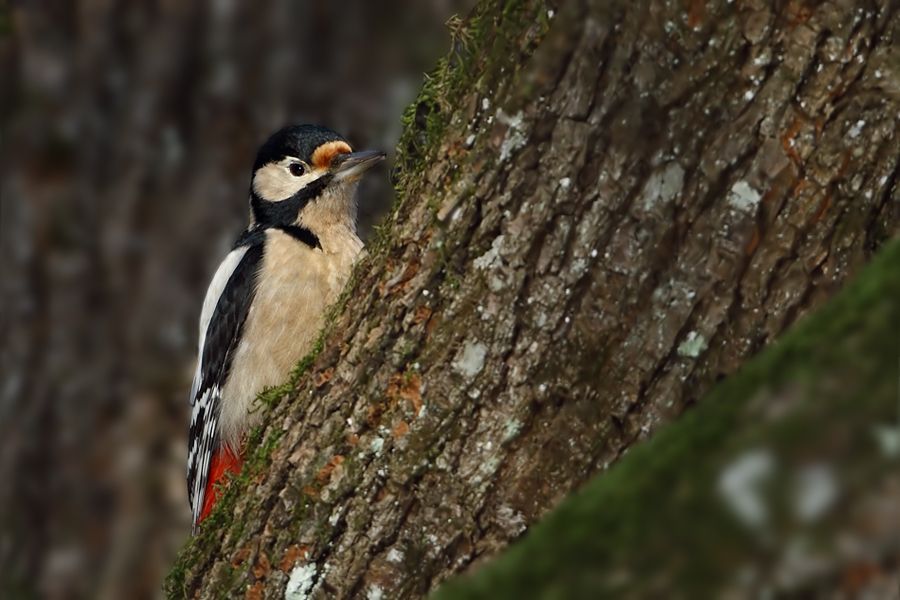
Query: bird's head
point(306, 175)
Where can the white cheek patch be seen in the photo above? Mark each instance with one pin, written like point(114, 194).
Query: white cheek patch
point(274, 182)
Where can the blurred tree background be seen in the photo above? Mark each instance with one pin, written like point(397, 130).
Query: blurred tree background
point(128, 133)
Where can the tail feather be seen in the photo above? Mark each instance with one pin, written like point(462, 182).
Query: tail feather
point(223, 461)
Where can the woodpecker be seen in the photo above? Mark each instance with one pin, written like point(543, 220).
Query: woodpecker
point(267, 299)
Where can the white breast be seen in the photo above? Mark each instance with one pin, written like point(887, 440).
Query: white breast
point(295, 286)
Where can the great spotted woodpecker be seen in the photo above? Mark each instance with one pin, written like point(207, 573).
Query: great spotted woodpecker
point(267, 300)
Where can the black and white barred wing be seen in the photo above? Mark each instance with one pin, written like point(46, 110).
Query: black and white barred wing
point(224, 311)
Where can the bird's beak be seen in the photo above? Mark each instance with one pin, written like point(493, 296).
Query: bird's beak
point(349, 167)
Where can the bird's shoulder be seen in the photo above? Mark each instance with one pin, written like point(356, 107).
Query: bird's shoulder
point(253, 236)
point(229, 296)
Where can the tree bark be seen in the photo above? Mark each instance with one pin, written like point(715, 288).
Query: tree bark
point(783, 483)
point(604, 207)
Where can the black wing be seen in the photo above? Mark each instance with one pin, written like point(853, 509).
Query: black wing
point(220, 340)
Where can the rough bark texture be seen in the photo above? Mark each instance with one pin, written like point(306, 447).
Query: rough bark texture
point(783, 483)
point(604, 208)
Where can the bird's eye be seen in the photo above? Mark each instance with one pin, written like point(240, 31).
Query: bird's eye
point(297, 169)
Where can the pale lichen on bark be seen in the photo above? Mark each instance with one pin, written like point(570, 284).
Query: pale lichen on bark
point(604, 208)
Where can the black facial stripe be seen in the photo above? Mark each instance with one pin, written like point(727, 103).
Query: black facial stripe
point(270, 214)
point(304, 235)
point(256, 235)
point(284, 212)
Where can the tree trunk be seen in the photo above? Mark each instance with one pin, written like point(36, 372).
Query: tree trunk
point(604, 207)
point(783, 483)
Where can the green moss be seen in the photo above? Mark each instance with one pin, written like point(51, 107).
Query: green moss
point(227, 580)
point(307, 361)
point(406, 351)
point(485, 49)
point(222, 518)
point(655, 526)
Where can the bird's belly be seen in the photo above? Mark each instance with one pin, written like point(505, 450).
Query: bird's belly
point(281, 327)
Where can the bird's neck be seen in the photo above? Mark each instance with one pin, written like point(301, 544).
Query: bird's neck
point(332, 219)
point(338, 239)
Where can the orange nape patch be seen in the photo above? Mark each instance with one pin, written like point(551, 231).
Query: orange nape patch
point(324, 154)
point(223, 461)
